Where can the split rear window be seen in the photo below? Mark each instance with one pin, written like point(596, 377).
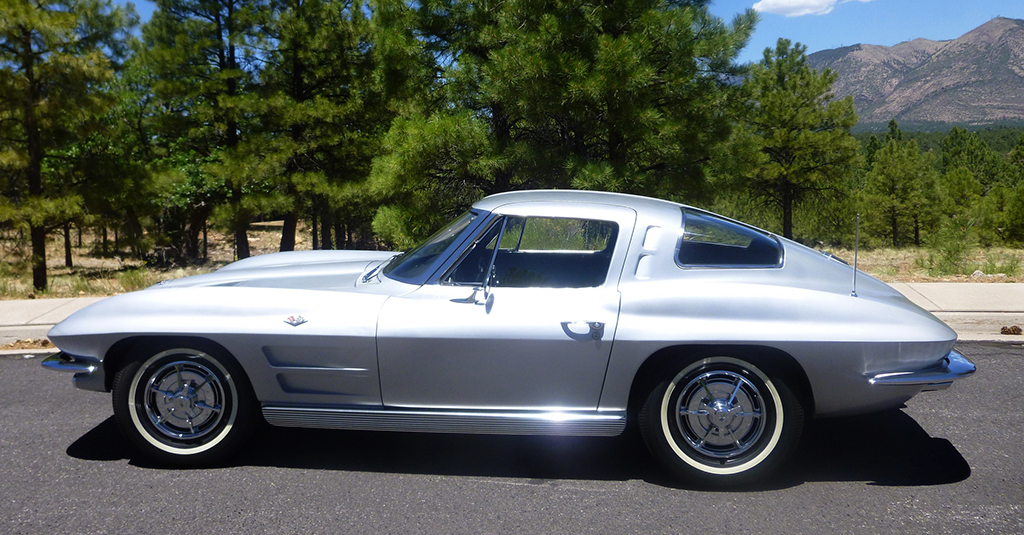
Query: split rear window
point(710, 241)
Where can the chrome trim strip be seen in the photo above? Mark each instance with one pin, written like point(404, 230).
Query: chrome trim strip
point(952, 367)
point(574, 423)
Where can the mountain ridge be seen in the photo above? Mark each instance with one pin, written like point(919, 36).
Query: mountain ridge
point(975, 79)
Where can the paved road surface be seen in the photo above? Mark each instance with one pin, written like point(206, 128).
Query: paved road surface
point(951, 462)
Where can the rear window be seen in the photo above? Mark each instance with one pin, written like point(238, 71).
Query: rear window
point(710, 241)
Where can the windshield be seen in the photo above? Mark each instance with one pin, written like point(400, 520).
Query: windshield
point(415, 262)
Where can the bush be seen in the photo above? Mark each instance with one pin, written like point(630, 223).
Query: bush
point(950, 249)
point(1007, 264)
point(133, 279)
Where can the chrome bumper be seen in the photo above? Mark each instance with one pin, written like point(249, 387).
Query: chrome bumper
point(88, 374)
point(952, 367)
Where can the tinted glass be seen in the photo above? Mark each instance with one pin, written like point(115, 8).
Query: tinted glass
point(540, 252)
point(417, 260)
point(711, 241)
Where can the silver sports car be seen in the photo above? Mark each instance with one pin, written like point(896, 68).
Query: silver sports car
point(534, 313)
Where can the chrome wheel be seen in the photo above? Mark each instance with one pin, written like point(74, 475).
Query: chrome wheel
point(184, 406)
point(720, 421)
point(720, 414)
point(184, 400)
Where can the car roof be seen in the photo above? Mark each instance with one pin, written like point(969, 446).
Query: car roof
point(636, 202)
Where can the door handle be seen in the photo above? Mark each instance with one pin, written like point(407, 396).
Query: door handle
point(594, 328)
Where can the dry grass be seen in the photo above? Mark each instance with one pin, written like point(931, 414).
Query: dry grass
point(911, 265)
point(96, 276)
point(29, 343)
point(114, 274)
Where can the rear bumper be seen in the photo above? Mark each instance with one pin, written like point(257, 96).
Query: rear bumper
point(952, 367)
point(88, 374)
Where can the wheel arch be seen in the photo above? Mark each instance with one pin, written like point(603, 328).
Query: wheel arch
point(772, 361)
point(124, 350)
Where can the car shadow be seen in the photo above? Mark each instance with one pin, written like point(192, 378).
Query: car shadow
point(887, 449)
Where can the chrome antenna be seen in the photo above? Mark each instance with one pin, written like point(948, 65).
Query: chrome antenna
point(856, 246)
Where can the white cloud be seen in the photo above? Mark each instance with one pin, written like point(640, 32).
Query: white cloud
point(798, 8)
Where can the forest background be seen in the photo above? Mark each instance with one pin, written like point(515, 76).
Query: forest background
point(372, 123)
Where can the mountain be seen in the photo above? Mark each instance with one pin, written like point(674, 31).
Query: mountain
point(975, 79)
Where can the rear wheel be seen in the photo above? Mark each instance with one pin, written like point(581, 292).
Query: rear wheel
point(720, 422)
point(183, 405)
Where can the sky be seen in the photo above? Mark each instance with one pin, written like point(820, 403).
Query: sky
point(824, 24)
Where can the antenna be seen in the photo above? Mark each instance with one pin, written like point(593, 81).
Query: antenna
point(856, 246)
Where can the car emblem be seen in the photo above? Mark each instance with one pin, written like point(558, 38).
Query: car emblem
point(295, 321)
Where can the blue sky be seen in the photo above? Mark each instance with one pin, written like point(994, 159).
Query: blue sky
point(822, 24)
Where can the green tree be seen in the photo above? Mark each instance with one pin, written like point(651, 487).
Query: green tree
point(1016, 161)
point(631, 96)
point(204, 56)
point(963, 148)
point(899, 192)
point(54, 54)
point(802, 133)
point(323, 116)
point(871, 148)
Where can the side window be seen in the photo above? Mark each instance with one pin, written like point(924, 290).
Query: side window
point(709, 241)
point(474, 263)
point(541, 252)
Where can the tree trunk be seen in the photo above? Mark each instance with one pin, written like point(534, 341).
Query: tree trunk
point(67, 246)
point(313, 227)
point(787, 214)
point(291, 220)
point(325, 229)
point(917, 230)
point(894, 228)
point(38, 235)
point(228, 65)
point(339, 234)
point(241, 242)
point(34, 145)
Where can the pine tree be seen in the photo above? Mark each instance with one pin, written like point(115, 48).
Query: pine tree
point(628, 96)
point(204, 56)
point(802, 132)
point(53, 56)
point(323, 114)
point(899, 193)
point(963, 148)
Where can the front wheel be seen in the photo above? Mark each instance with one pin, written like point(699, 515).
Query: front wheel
point(720, 422)
point(183, 406)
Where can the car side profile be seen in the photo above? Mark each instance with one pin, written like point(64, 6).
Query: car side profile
point(534, 313)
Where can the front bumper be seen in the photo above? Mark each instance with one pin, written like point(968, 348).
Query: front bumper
point(88, 374)
point(952, 367)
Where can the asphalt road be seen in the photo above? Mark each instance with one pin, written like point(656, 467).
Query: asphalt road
point(950, 462)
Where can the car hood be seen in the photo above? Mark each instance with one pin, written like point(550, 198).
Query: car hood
point(307, 270)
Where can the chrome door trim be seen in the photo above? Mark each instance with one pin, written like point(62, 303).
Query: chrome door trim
point(571, 423)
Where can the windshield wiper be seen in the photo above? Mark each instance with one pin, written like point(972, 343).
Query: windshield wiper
point(373, 272)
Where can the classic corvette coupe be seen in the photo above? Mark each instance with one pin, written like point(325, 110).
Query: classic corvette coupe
point(534, 313)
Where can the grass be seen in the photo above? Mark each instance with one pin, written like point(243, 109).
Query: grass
point(911, 264)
